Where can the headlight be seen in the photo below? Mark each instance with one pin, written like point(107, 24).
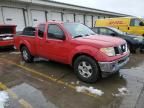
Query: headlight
point(140, 39)
point(108, 51)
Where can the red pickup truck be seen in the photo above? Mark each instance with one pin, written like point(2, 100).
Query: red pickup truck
point(6, 35)
point(75, 44)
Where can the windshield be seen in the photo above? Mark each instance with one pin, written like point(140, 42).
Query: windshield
point(142, 19)
point(78, 30)
point(118, 31)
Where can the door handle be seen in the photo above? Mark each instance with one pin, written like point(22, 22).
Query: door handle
point(47, 41)
point(128, 28)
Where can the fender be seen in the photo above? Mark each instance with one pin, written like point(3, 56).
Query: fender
point(28, 45)
point(85, 49)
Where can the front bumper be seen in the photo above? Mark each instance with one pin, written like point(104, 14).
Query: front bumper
point(114, 66)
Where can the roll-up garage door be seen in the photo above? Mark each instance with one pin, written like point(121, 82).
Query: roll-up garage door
point(54, 16)
point(68, 17)
point(38, 17)
point(88, 21)
point(79, 18)
point(94, 20)
point(14, 16)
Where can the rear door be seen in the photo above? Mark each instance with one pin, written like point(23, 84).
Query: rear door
point(40, 40)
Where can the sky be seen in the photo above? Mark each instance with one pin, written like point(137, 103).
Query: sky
point(130, 7)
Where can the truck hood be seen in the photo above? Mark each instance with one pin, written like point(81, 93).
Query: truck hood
point(101, 40)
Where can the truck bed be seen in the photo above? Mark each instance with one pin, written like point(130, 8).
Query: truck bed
point(18, 39)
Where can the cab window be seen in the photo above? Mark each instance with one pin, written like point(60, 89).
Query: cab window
point(135, 22)
point(55, 32)
point(41, 30)
point(29, 31)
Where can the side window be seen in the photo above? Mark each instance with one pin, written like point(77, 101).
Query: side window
point(110, 32)
point(29, 31)
point(41, 30)
point(135, 22)
point(103, 31)
point(54, 32)
point(95, 30)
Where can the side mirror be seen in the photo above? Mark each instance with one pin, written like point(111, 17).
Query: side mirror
point(141, 23)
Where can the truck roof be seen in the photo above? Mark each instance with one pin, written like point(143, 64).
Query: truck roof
point(57, 22)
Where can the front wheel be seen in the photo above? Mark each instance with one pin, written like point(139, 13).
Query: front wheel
point(132, 48)
point(86, 69)
point(27, 57)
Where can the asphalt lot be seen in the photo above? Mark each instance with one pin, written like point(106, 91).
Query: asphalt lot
point(46, 84)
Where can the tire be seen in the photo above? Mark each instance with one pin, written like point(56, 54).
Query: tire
point(87, 69)
point(26, 56)
point(142, 51)
point(131, 48)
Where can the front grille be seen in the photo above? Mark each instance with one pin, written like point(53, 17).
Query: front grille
point(121, 49)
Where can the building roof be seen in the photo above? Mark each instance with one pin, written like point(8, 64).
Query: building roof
point(56, 4)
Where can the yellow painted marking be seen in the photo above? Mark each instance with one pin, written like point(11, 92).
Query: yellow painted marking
point(22, 102)
point(4, 87)
point(46, 76)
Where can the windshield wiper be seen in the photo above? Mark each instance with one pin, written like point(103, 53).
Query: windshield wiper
point(78, 36)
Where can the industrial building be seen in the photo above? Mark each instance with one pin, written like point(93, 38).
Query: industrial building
point(31, 12)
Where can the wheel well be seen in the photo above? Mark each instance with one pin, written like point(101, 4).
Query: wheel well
point(143, 35)
point(80, 54)
point(22, 45)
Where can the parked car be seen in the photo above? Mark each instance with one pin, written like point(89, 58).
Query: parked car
point(75, 44)
point(131, 25)
point(6, 35)
point(134, 42)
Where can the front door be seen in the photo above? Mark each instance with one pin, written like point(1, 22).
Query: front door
point(56, 44)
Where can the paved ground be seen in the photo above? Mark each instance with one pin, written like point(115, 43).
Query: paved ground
point(45, 84)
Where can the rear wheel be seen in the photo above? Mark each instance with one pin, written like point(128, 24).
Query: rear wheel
point(27, 57)
point(86, 69)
